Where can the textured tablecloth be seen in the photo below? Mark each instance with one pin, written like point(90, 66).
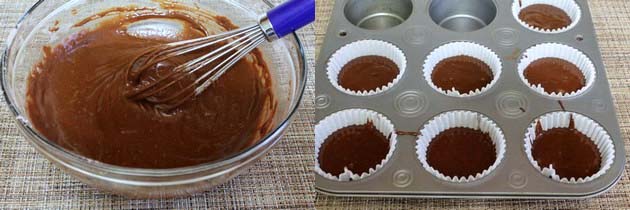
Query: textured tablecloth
point(284, 178)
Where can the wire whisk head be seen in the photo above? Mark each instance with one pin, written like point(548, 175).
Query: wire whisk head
point(169, 75)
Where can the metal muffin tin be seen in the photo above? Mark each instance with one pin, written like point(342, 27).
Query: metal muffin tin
point(414, 26)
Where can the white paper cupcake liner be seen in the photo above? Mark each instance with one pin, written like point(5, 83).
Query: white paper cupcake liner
point(568, 6)
point(365, 48)
point(459, 119)
point(458, 49)
point(560, 51)
point(347, 118)
point(583, 124)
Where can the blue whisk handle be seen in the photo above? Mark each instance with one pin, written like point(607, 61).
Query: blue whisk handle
point(292, 16)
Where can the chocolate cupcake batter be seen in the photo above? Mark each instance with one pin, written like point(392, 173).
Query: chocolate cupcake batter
point(555, 75)
point(368, 73)
point(357, 147)
point(572, 154)
point(76, 98)
point(463, 73)
point(545, 16)
point(461, 152)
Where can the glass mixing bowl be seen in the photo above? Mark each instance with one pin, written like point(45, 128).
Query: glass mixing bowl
point(50, 21)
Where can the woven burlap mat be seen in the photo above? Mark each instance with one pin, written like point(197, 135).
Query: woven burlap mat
point(284, 178)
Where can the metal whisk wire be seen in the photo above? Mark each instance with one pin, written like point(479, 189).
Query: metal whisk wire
point(244, 41)
point(232, 47)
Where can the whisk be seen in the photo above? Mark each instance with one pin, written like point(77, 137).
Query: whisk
point(232, 47)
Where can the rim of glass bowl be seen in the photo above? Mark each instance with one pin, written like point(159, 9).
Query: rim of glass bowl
point(156, 173)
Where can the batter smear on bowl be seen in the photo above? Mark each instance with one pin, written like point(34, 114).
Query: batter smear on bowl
point(77, 97)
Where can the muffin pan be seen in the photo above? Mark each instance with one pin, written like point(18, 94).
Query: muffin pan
point(418, 27)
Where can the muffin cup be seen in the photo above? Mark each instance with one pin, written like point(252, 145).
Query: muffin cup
point(560, 51)
point(347, 118)
point(362, 48)
point(587, 127)
point(459, 119)
point(568, 6)
point(458, 49)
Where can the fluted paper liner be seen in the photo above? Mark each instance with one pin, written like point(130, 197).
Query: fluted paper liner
point(459, 119)
point(459, 49)
point(584, 125)
point(362, 48)
point(347, 118)
point(568, 6)
point(560, 51)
